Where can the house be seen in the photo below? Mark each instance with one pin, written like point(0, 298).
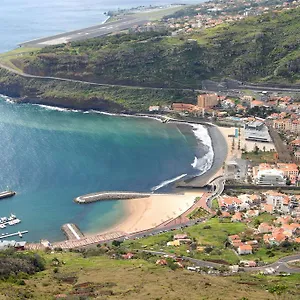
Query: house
point(248, 263)
point(283, 220)
point(226, 214)
point(237, 217)
point(154, 108)
point(161, 262)
point(180, 236)
point(291, 228)
point(267, 207)
point(265, 228)
point(175, 243)
point(257, 103)
point(129, 255)
point(231, 203)
point(234, 237)
point(252, 213)
point(244, 249)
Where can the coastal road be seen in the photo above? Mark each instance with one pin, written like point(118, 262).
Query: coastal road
point(87, 33)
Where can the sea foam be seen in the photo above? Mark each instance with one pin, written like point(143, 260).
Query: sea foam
point(167, 182)
point(204, 163)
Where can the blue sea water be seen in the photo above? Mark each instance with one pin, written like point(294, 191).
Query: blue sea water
point(51, 156)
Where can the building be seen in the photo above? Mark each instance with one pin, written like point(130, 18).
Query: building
point(257, 131)
point(287, 125)
point(207, 100)
point(289, 170)
point(184, 107)
point(154, 108)
point(265, 228)
point(244, 249)
point(270, 177)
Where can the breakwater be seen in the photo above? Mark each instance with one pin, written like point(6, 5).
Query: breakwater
point(7, 194)
point(72, 231)
point(104, 196)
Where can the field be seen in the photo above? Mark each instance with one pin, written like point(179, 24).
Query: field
point(261, 156)
point(211, 234)
point(107, 278)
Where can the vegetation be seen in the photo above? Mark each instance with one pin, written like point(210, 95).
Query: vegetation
point(215, 204)
point(260, 156)
point(198, 213)
point(16, 266)
point(84, 96)
point(263, 48)
point(75, 275)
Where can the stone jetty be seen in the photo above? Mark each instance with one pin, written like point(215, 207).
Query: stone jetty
point(104, 196)
point(72, 232)
point(7, 194)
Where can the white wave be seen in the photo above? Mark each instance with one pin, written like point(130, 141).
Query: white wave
point(48, 107)
point(7, 99)
point(204, 163)
point(164, 183)
point(194, 163)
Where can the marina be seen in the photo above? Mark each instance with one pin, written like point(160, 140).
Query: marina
point(18, 233)
point(11, 220)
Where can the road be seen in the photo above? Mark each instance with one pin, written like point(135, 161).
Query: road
point(87, 33)
point(280, 266)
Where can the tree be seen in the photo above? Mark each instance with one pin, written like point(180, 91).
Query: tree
point(256, 149)
point(239, 144)
point(264, 148)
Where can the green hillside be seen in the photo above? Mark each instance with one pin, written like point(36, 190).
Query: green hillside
point(95, 274)
point(264, 48)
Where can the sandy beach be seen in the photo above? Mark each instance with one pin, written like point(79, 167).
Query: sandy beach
point(150, 212)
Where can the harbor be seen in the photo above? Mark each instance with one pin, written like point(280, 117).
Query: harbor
point(104, 196)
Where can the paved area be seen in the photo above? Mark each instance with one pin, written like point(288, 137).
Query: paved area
point(87, 33)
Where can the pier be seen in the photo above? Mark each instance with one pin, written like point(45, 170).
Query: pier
point(7, 194)
point(19, 233)
point(72, 232)
point(104, 196)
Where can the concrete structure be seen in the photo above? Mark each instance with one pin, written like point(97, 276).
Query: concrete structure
point(207, 100)
point(72, 232)
point(104, 196)
point(90, 32)
point(257, 131)
point(270, 177)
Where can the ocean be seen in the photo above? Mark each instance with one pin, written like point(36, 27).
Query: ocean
point(49, 156)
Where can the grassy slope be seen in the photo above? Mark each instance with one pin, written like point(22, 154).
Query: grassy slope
point(256, 49)
point(138, 279)
point(82, 96)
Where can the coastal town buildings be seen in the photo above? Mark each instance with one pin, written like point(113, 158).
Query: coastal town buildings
point(207, 100)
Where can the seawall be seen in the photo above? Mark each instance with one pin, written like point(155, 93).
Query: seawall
point(104, 196)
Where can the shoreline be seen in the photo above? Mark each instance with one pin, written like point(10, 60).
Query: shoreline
point(139, 212)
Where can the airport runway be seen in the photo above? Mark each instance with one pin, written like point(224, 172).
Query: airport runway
point(87, 33)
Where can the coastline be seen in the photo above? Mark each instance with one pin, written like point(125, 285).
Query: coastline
point(147, 213)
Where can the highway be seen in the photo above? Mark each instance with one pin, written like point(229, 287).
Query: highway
point(87, 33)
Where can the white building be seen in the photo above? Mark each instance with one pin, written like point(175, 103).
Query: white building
point(270, 177)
